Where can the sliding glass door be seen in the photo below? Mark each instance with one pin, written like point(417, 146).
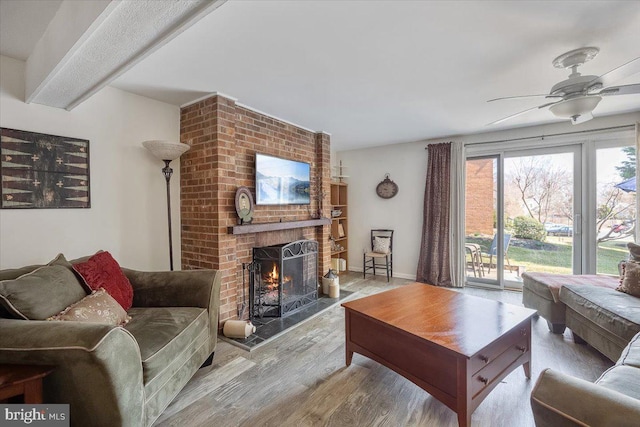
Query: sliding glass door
point(565, 205)
point(520, 209)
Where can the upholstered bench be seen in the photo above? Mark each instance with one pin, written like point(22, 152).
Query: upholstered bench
point(541, 292)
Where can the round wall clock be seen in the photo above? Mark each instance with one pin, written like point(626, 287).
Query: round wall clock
point(387, 188)
point(244, 205)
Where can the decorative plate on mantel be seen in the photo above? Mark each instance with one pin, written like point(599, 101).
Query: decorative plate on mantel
point(244, 205)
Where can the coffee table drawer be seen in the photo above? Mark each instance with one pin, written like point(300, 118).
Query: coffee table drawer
point(495, 367)
point(488, 354)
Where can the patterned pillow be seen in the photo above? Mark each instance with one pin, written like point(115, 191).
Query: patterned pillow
point(630, 282)
point(99, 307)
point(381, 245)
point(102, 271)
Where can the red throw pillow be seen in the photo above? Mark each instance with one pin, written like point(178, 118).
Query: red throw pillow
point(102, 271)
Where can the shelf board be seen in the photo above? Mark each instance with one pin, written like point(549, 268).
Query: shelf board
point(274, 226)
point(338, 253)
point(338, 217)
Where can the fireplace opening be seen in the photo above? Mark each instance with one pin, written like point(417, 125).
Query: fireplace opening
point(284, 278)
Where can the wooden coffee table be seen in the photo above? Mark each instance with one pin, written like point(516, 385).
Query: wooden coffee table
point(456, 347)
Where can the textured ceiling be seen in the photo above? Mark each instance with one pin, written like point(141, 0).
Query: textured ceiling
point(373, 73)
point(369, 73)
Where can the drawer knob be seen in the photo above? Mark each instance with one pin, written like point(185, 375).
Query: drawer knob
point(521, 348)
point(485, 359)
point(483, 380)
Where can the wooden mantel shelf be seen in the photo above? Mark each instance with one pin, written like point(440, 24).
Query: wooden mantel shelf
point(274, 226)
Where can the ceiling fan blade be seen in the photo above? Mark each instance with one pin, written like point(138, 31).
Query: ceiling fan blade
point(525, 97)
point(607, 79)
point(620, 90)
point(520, 113)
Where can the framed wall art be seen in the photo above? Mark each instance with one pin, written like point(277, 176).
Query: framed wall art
point(43, 171)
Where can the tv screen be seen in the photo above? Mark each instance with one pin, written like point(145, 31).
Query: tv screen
point(282, 182)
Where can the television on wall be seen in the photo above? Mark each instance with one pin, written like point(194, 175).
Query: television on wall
point(281, 181)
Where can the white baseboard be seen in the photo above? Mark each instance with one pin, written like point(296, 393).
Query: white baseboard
point(395, 274)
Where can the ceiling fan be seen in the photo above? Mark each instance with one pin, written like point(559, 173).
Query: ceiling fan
point(576, 97)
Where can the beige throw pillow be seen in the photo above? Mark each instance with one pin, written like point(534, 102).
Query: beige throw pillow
point(99, 307)
point(634, 251)
point(630, 282)
point(381, 245)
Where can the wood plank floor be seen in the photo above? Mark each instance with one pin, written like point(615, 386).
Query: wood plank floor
point(300, 379)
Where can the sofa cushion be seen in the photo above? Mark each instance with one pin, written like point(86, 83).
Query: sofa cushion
point(41, 293)
point(102, 271)
point(14, 273)
point(623, 379)
point(631, 354)
point(614, 311)
point(165, 333)
point(99, 307)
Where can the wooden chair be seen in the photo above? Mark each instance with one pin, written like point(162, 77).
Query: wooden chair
point(381, 249)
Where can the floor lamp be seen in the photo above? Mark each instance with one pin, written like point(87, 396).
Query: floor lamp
point(167, 151)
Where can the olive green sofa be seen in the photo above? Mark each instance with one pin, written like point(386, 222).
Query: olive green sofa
point(122, 375)
point(559, 400)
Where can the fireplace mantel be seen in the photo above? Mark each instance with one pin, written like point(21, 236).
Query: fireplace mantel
point(274, 226)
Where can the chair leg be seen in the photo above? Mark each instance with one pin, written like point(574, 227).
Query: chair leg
point(373, 261)
point(387, 258)
point(508, 262)
point(364, 266)
point(490, 262)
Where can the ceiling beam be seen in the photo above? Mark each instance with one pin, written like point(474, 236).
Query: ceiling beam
point(89, 44)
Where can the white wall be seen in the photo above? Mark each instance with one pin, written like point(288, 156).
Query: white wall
point(128, 215)
point(407, 165)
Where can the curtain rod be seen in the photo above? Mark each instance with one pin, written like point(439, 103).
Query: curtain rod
point(550, 135)
point(578, 132)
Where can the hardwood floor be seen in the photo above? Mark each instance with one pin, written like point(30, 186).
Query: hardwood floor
point(300, 379)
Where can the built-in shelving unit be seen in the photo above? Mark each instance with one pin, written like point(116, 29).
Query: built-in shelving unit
point(339, 224)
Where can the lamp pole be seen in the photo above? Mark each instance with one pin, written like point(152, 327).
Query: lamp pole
point(167, 171)
point(167, 151)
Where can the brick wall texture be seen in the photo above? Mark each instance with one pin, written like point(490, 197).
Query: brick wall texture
point(479, 203)
point(224, 138)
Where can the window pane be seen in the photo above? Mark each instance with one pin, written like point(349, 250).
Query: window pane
point(538, 211)
point(480, 215)
point(616, 206)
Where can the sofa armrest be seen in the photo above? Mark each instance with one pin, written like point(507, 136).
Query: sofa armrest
point(98, 368)
point(561, 400)
point(187, 288)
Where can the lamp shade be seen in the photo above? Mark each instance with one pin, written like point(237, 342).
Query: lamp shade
point(166, 150)
point(574, 107)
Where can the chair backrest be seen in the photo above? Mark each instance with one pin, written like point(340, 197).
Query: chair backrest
point(493, 250)
point(382, 233)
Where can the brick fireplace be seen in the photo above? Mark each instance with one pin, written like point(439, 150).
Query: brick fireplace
point(224, 138)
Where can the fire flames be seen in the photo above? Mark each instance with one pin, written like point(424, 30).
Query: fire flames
point(272, 278)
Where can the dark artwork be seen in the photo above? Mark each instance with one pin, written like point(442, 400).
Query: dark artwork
point(43, 171)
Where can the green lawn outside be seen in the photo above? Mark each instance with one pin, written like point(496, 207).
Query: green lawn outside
point(556, 256)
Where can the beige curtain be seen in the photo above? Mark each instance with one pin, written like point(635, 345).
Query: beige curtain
point(434, 265)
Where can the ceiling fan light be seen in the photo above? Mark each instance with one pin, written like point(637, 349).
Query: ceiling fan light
point(574, 107)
